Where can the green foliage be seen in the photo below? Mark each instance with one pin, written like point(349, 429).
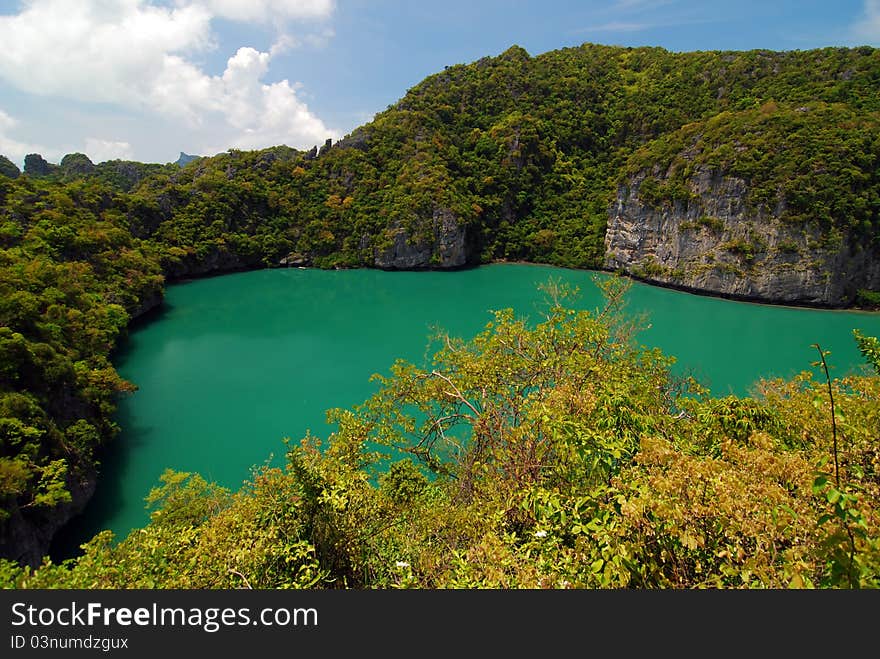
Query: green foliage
point(811, 163)
point(70, 276)
point(548, 454)
point(869, 346)
point(36, 165)
point(850, 544)
point(869, 299)
point(482, 406)
point(184, 499)
point(521, 436)
point(75, 165)
point(8, 168)
point(526, 152)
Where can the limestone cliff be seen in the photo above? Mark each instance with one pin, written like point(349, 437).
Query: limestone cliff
point(440, 242)
point(710, 240)
point(213, 261)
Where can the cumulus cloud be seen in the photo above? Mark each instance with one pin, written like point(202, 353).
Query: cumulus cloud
point(140, 55)
point(867, 29)
point(263, 114)
point(93, 50)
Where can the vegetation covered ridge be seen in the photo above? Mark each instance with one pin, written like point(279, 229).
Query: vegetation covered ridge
point(508, 158)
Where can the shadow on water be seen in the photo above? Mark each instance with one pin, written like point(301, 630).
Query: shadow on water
point(112, 459)
point(109, 493)
point(153, 315)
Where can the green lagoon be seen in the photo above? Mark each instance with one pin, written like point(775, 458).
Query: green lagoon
point(232, 365)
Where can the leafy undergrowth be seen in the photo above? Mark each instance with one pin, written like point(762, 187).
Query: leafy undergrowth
point(558, 454)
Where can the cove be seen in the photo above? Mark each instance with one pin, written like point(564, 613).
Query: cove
point(231, 365)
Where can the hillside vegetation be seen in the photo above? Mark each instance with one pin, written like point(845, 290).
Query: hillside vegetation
point(510, 157)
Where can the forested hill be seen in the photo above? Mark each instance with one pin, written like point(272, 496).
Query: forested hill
point(593, 156)
point(518, 157)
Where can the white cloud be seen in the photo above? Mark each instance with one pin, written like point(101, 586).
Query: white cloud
point(261, 11)
point(14, 149)
point(99, 150)
point(96, 51)
point(622, 16)
point(139, 55)
point(319, 39)
point(640, 26)
point(867, 30)
point(6, 122)
point(286, 42)
point(264, 114)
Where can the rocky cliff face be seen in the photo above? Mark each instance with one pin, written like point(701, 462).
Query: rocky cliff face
point(214, 262)
point(441, 243)
point(26, 534)
point(36, 165)
point(713, 242)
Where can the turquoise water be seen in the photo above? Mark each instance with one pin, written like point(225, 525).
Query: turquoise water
point(234, 364)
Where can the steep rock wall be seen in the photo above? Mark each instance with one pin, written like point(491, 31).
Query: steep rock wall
point(439, 242)
point(712, 242)
point(27, 534)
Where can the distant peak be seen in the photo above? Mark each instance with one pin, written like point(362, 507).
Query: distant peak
point(36, 165)
point(515, 54)
point(8, 168)
point(185, 158)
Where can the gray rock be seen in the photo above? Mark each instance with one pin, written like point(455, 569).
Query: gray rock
point(26, 534)
point(295, 260)
point(36, 165)
point(446, 247)
point(217, 260)
point(185, 158)
point(713, 243)
point(328, 144)
point(76, 164)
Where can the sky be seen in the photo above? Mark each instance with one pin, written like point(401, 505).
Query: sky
point(147, 79)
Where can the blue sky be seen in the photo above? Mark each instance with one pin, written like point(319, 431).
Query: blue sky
point(146, 79)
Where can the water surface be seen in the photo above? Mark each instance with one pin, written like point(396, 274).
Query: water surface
point(234, 364)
